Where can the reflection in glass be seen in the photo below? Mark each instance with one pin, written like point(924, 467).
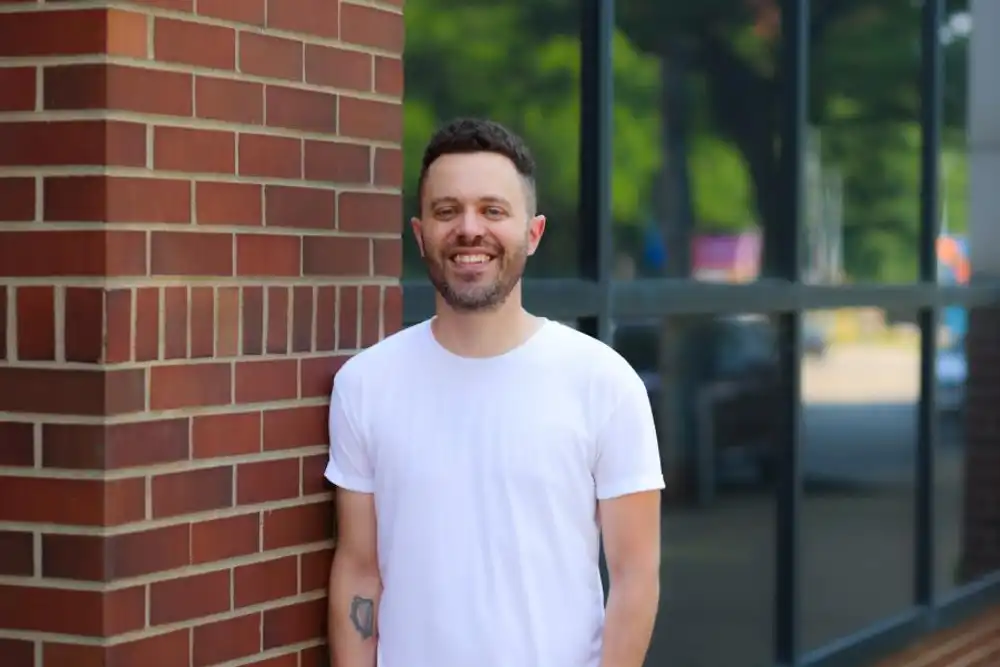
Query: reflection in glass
point(695, 171)
point(712, 383)
point(514, 62)
point(860, 389)
point(950, 375)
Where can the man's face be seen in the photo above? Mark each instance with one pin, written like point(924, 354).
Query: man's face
point(475, 230)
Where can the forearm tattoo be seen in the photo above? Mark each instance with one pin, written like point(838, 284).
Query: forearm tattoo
point(363, 616)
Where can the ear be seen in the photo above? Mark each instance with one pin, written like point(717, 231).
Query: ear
point(415, 225)
point(536, 228)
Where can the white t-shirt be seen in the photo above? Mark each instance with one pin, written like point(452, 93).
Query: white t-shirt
point(486, 474)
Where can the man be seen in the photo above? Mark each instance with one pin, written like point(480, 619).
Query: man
point(481, 455)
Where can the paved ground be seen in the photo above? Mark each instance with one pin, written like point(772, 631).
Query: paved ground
point(857, 549)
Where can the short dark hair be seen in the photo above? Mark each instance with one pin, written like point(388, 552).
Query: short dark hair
point(475, 135)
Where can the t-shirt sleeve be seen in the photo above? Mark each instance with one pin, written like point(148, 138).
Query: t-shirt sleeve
point(349, 466)
point(628, 452)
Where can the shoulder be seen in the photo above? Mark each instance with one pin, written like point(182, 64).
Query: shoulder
point(595, 365)
point(375, 362)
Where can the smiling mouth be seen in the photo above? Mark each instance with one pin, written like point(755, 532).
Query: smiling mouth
point(471, 259)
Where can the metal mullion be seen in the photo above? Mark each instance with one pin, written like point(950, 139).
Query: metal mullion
point(794, 93)
point(931, 88)
point(596, 129)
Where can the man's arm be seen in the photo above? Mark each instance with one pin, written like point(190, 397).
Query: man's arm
point(355, 584)
point(630, 525)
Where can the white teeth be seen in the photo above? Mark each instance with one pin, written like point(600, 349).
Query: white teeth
point(471, 259)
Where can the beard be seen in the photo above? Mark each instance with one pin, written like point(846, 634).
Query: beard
point(482, 296)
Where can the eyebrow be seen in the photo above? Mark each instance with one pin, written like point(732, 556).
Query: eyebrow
point(484, 200)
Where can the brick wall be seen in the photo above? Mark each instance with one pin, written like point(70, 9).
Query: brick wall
point(199, 219)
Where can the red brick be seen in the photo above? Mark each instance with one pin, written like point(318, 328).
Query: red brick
point(313, 481)
point(175, 322)
point(118, 326)
point(295, 623)
point(389, 76)
point(17, 444)
point(371, 119)
point(223, 641)
point(365, 212)
point(268, 156)
point(326, 318)
point(336, 162)
point(189, 150)
point(75, 142)
point(266, 381)
point(195, 44)
point(370, 26)
point(228, 203)
point(147, 324)
point(387, 257)
point(335, 256)
point(18, 86)
point(247, 11)
point(297, 109)
point(388, 166)
point(18, 196)
point(302, 319)
point(170, 648)
point(298, 207)
point(264, 481)
point(278, 303)
point(270, 255)
point(292, 428)
point(338, 68)
point(371, 314)
point(190, 597)
point(36, 323)
point(95, 558)
point(317, 373)
point(202, 322)
point(226, 434)
point(392, 310)
point(271, 57)
point(189, 385)
point(19, 653)
point(85, 392)
point(267, 581)
point(83, 502)
point(191, 254)
point(315, 568)
point(310, 17)
point(114, 446)
point(227, 342)
point(17, 554)
point(230, 101)
point(117, 88)
point(116, 199)
point(83, 314)
point(220, 539)
point(349, 325)
point(253, 321)
point(96, 614)
point(77, 32)
point(192, 491)
point(43, 254)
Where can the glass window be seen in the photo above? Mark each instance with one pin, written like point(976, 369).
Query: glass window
point(860, 387)
point(862, 218)
point(514, 62)
point(695, 173)
point(713, 384)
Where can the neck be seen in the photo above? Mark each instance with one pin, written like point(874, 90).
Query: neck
point(487, 333)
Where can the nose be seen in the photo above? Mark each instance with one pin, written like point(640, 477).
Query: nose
point(470, 225)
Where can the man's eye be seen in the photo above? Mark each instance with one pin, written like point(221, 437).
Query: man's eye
point(444, 212)
point(494, 211)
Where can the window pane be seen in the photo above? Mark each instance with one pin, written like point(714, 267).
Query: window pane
point(860, 387)
point(515, 62)
point(713, 384)
point(862, 215)
point(695, 174)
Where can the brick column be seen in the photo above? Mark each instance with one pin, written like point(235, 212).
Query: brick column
point(981, 548)
point(199, 220)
